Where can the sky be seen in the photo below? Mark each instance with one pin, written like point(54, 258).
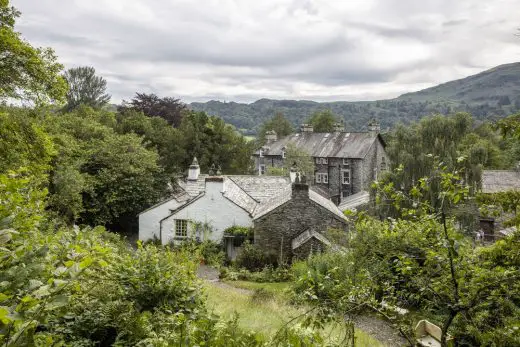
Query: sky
point(244, 50)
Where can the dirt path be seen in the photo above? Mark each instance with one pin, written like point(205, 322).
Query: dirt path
point(374, 326)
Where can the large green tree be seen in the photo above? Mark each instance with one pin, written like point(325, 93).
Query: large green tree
point(170, 109)
point(85, 88)
point(26, 73)
point(279, 124)
point(323, 121)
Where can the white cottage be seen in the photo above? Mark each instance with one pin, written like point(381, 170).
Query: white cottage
point(208, 205)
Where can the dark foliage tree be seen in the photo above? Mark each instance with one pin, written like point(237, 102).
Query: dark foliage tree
point(323, 122)
point(85, 88)
point(151, 105)
point(279, 124)
point(26, 73)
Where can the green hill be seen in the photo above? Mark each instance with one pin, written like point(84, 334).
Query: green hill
point(490, 95)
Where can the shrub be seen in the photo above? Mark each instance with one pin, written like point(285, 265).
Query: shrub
point(254, 259)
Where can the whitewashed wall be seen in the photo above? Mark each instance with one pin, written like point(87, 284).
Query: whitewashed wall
point(149, 221)
point(212, 208)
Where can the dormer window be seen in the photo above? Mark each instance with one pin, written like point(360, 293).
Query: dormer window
point(346, 162)
point(283, 154)
point(261, 153)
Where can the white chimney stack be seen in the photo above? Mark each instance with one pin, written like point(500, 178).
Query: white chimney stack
point(194, 171)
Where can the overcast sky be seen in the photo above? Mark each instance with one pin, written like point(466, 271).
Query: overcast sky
point(243, 50)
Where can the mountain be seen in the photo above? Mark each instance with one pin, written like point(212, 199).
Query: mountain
point(489, 95)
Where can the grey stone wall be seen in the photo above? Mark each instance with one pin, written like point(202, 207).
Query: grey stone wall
point(275, 231)
point(372, 164)
point(268, 161)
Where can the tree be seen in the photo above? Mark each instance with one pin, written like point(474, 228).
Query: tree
point(85, 88)
point(26, 73)
point(323, 122)
point(300, 159)
point(279, 124)
point(151, 105)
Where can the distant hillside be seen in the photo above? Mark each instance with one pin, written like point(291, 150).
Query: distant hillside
point(491, 94)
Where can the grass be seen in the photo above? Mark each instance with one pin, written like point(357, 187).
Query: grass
point(262, 316)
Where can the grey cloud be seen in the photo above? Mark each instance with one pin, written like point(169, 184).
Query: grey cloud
point(239, 49)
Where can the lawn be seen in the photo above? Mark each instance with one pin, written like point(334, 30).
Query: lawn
point(265, 314)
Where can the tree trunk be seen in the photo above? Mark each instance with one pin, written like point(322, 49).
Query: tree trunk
point(446, 326)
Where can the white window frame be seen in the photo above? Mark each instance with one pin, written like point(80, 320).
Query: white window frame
point(262, 169)
point(343, 181)
point(322, 177)
point(181, 228)
point(317, 160)
point(346, 162)
point(283, 154)
point(261, 153)
point(320, 160)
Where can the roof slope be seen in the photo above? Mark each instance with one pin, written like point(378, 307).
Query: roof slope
point(330, 145)
point(194, 187)
point(354, 201)
point(273, 203)
point(238, 196)
point(262, 188)
point(326, 203)
point(494, 181)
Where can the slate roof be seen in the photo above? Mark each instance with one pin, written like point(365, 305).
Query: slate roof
point(326, 203)
point(194, 188)
point(354, 201)
point(305, 236)
point(274, 202)
point(330, 145)
point(238, 196)
point(494, 181)
point(270, 205)
point(262, 188)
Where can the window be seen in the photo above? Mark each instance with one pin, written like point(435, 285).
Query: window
point(261, 153)
point(345, 176)
point(322, 160)
point(344, 193)
point(346, 162)
point(383, 164)
point(322, 178)
point(261, 169)
point(181, 228)
point(283, 154)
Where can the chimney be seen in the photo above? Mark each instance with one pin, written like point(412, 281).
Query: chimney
point(293, 172)
point(339, 127)
point(271, 136)
point(300, 188)
point(194, 170)
point(374, 127)
point(306, 128)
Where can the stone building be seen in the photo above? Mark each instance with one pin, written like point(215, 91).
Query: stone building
point(346, 163)
point(293, 224)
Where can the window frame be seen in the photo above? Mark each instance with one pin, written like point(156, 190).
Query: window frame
point(261, 153)
point(322, 177)
point(343, 171)
point(346, 162)
point(182, 226)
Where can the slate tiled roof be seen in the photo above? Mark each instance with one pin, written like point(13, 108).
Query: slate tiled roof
point(330, 145)
point(274, 202)
point(494, 181)
point(238, 196)
point(305, 236)
point(262, 188)
point(326, 203)
point(354, 201)
point(194, 188)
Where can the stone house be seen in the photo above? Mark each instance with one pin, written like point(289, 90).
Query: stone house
point(345, 163)
point(278, 209)
point(293, 224)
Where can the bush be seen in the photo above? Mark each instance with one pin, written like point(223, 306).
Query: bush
point(254, 259)
point(268, 274)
